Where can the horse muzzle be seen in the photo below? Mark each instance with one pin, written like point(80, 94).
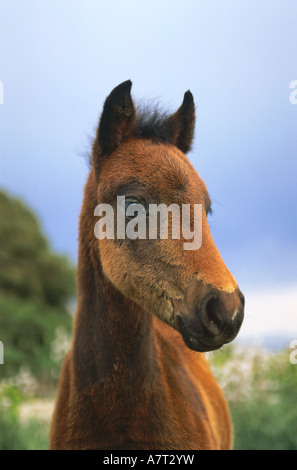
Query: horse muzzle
point(209, 319)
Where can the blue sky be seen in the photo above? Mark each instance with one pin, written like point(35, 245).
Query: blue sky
point(60, 59)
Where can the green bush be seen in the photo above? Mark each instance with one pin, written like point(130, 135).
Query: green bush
point(36, 286)
point(261, 390)
point(15, 435)
point(28, 330)
point(29, 269)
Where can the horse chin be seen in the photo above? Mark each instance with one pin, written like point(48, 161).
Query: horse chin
point(192, 341)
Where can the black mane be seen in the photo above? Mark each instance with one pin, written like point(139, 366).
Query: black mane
point(150, 123)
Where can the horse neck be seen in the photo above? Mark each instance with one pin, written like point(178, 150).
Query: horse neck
point(112, 336)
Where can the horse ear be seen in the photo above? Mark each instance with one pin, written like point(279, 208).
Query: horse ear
point(180, 126)
point(116, 120)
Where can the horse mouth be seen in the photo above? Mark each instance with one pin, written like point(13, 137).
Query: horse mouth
point(192, 340)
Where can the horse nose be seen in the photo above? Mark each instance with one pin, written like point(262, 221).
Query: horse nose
point(241, 298)
point(221, 315)
point(208, 318)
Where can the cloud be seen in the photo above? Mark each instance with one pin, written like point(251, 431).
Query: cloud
point(271, 312)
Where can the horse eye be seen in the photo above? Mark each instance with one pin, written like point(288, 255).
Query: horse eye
point(132, 206)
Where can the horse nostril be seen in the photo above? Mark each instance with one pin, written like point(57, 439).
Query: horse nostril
point(210, 315)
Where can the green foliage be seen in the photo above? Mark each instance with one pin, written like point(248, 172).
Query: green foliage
point(36, 286)
point(28, 268)
point(28, 330)
point(261, 390)
point(15, 435)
